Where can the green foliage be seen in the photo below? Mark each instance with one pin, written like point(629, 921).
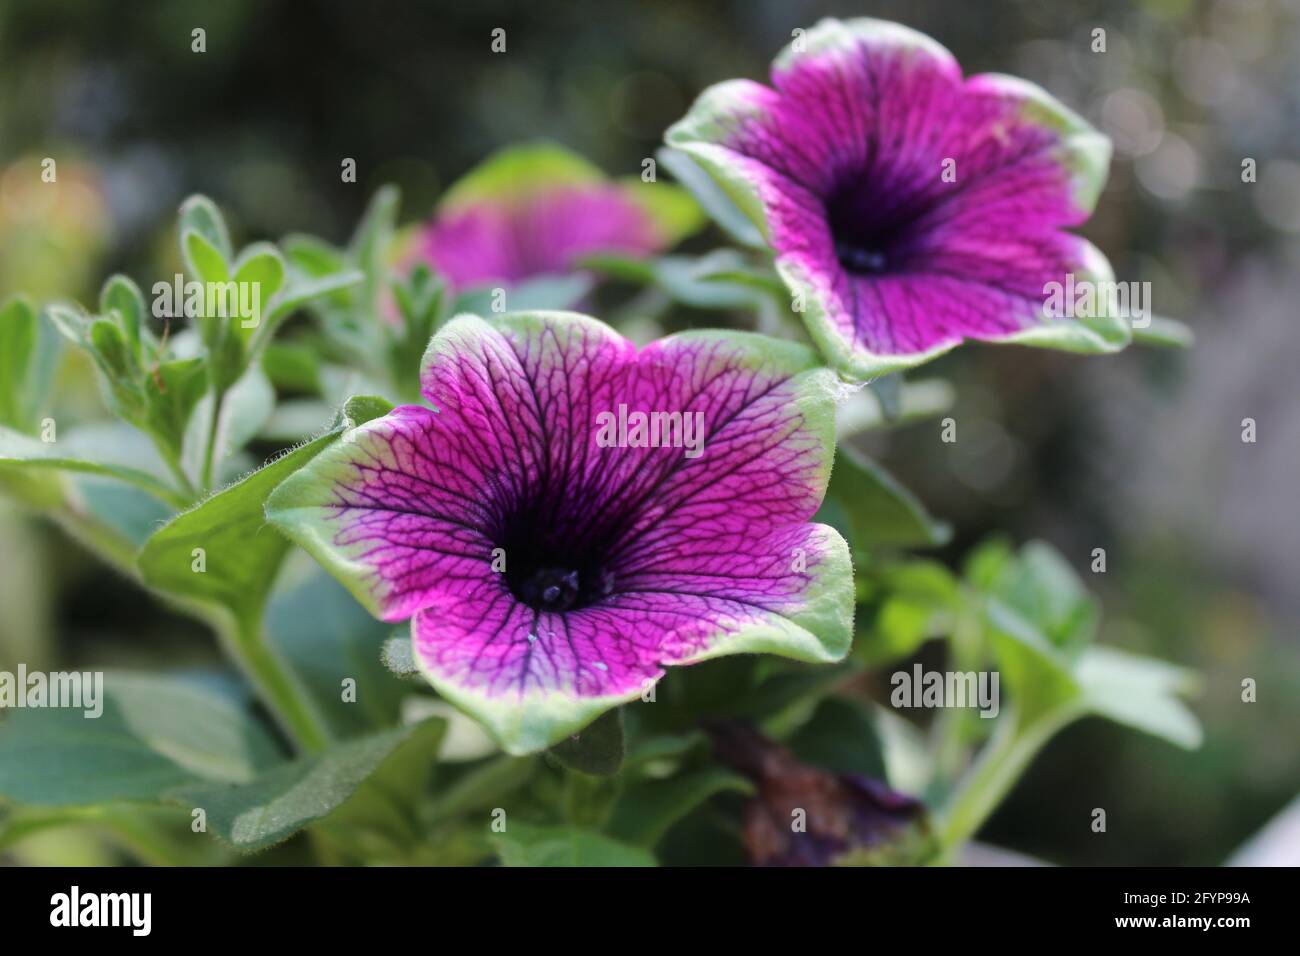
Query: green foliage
point(28, 352)
point(282, 800)
point(596, 750)
point(223, 535)
point(526, 845)
point(196, 406)
point(155, 734)
point(872, 510)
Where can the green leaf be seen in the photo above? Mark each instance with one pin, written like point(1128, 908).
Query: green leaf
point(114, 354)
point(720, 279)
point(29, 350)
point(597, 749)
point(988, 564)
point(173, 390)
point(888, 390)
point(326, 637)
point(872, 510)
point(18, 330)
point(1044, 589)
point(127, 512)
point(920, 601)
point(282, 800)
point(369, 249)
point(841, 737)
point(72, 323)
point(261, 267)
point(546, 292)
point(154, 733)
point(220, 559)
point(313, 256)
point(1164, 333)
point(298, 292)
point(240, 555)
point(792, 686)
point(20, 451)
point(1030, 666)
point(648, 808)
point(382, 821)
point(247, 406)
point(917, 401)
point(122, 296)
point(205, 262)
point(1139, 692)
point(1041, 587)
point(527, 845)
point(293, 367)
point(200, 214)
point(484, 786)
point(712, 199)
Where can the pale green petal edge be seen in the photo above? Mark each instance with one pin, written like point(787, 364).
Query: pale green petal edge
point(1084, 150)
point(518, 172)
point(696, 135)
point(821, 631)
point(295, 507)
point(831, 36)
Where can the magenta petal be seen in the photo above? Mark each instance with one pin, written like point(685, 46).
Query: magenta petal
point(908, 208)
point(552, 574)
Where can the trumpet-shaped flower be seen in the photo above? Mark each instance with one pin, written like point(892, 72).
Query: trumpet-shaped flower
point(556, 536)
point(538, 210)
point(909, 208)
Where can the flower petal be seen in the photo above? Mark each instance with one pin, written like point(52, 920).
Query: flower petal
point(704, 555)
point(533, 678)
point(387, 512)
point(536, 210)
point(863, 122)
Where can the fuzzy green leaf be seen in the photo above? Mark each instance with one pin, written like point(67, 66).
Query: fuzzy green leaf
point(527, 845)
point(281, 801)
point(155, 733)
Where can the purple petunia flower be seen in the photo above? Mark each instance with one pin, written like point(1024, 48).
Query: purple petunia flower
point(537, 210)
point(549, 536)
point(908, 208)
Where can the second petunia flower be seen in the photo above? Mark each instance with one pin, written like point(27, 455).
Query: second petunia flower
point(572, 515)
point(534, 211)
point(909, 208)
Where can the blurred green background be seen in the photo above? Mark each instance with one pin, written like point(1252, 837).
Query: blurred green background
point(1140, 453)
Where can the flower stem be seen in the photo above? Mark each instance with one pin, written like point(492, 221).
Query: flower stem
point(276, 684)
point(951, 732)
point(1011, 749)
point(210, 446)
point(173, 462)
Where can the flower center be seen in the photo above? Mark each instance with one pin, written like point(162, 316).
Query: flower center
point(860, 260)
point(867, 234)
point(551, 575)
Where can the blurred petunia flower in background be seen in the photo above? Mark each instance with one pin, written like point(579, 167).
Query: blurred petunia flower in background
point(534, 211)
point(572, 515)
point(907, 208)
point(806, 816)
